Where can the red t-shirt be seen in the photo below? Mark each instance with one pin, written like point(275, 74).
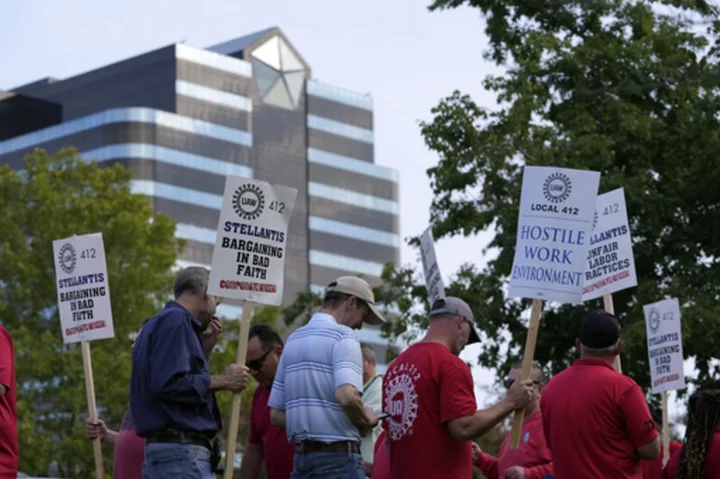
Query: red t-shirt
point(712, 466)
point(424, 388)
point(129, 453)
point(594, 418)
point(8, 412)
point(277, 451)
point(381, 461)
point(653, 469)
point(532, 454)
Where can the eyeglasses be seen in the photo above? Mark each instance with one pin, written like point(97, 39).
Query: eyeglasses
point(509, 382)
point(256, 364)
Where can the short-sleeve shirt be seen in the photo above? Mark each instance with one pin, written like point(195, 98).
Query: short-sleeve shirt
point(277, 451)
point(594, 419)
point(424, 388)
point(712, 466)
point(532, 453)
point(8, 411)
point(653, 469)
point(129, 453)
point(317, 359)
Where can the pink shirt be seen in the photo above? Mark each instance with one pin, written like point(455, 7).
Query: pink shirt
point(129, 451)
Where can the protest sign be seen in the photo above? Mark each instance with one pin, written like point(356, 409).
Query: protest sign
point(664, 340)
point(554, 221)
point(249, 261)
point(82, 288)
point(610, 262)
point(249, 257)
point(556, 212)
point(433, 280)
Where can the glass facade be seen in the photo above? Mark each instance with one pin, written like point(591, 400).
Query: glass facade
point(339, 95)
point(352, 164)
point(213, 60)
point(167, 155)
point(352, 198)
point(345, 263)
point(195, 233)
point(211, 95)
point(127, 115)
point(176, 193)
point(347, 230)
point(341, 129)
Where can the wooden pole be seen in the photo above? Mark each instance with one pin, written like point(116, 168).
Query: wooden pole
point(235, 408)
point(92, 408)
point(528, 357)
point(665, 429)
point(610, 308)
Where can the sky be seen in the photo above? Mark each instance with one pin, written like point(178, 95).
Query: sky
point(405, 56)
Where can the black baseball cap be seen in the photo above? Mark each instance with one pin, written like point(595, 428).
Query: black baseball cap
point(458, 307)
point(599, 329)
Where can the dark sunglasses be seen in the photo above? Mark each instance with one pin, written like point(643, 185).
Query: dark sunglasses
point(509, 382)
point(256, 364)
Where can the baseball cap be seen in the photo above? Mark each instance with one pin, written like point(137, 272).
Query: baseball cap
point(599, 329)
point(358, 287)
point(456, 306)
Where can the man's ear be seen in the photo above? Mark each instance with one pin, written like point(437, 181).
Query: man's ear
point(577, 345)
point(618, 347)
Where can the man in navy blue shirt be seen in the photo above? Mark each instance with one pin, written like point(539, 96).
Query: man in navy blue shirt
point(172, 394)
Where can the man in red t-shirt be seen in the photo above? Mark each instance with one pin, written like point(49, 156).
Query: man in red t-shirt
point(596, 421)
point(267, 444)
point(429, 396)
point(699, 458)
point(8, 413)
point(653, 469)
point(532, 459)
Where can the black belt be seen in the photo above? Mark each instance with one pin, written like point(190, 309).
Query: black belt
point(340, 446)
point(179, 437)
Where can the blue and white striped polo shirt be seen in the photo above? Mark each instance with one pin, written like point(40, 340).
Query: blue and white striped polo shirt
point(318, 358)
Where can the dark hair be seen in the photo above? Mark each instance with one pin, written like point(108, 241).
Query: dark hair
point(539, 373)
point(703, 419)
point(193, 280)
point(267, 336)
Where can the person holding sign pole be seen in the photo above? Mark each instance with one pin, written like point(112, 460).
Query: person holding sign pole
point(317, 388)
point(8, 412)
point(532, 459)
point(699, 457)
point(428, 393)
point(596, 421)
point(172, 394)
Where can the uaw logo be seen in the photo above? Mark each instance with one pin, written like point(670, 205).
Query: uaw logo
point(557, 188)
point(249, 201)
point(67, 259)
point(654, 321)
point(401, 403)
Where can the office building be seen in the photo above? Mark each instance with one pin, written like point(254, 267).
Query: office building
point(183, 117)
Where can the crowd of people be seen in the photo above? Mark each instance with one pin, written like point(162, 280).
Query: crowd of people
point(320, 408)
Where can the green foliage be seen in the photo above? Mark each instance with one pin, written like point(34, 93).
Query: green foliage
point(56, 197)
point(629, 89)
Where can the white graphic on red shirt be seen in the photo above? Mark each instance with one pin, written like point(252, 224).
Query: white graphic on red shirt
point(401, 400)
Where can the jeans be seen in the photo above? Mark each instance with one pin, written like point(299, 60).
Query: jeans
point(176, 461)
point(328, 465)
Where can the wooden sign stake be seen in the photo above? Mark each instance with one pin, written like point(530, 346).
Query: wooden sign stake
point(665, 429)
point(235, 408)
point(610, 308)
point(92, 408)
point(528, 357)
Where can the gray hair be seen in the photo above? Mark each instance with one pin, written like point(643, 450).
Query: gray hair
point(191, 280)
point(598, 352)
point(536, 371)
point(368, 353)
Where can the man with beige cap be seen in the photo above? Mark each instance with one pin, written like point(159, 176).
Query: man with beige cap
point(316, 395)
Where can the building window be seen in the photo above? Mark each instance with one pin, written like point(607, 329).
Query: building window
point(338, 128)
point(352, 164)
point(352, 198)
point(356, 232)
point(340, 95)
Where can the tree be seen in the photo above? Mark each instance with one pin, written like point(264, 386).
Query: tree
point(56, 197)
point(629, 89)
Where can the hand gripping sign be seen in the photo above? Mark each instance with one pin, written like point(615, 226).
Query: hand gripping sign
point(249, 261)
point(84, 306)
point(556, 212)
